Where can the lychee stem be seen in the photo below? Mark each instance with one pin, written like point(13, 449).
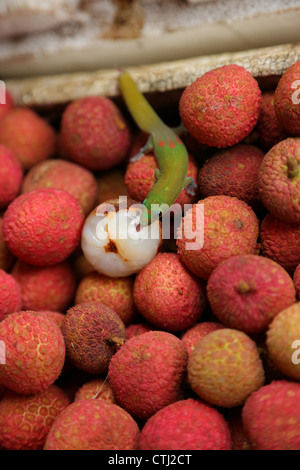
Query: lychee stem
point(292, 167)
point(116, 340)
point(243, 287)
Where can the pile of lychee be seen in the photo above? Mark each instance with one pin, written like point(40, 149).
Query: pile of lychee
point(200, 348)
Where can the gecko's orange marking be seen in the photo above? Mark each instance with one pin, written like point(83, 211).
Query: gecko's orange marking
point(161, 143)
point(172, 144)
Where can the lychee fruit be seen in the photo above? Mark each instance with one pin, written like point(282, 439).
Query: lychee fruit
point(57, 317)
point(215, 229)
point(268, 128)
point(136, 329)
point(222, 106)
point(111, 185)
point(6, 258)
point(246, 292)
point(232, 172)
point(43, 227)
point(28, 136)
point(279, 180)
point(287, 100)
point(168, 295)
point(10, 294)
point(280, 242)
point(296, 279)
point(93, 425)
point(271, 417)
point(34, 352)
point(68, 176)
point(45, 288)
point(283, 341)
point(94, 133)
point(26, 420)
point(186, 425)
point(95, 389)
point(11, 176)
point(225, 368)
point(92, 333)
point(147, 372)
point(140, 179)
point(194, 334)
point(6, 107)
point(116, 293)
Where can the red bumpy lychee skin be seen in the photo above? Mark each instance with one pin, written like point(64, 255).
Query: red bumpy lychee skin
point(95, 389)
point(246, 292)
point(230, 228)
point(147, 372)
point(50, 288)
point(186, 425)
point(93, 425)
point(140, 179)
point(6, 258)
point(279, 180)
point(11, 175)
point(10, 295)
point(6, 107)
point(28, 136)
point(271, 417)
point(116, 293)
point(92, 333)
point(296, 279)
point(34, 350)
point(269, 130)
point(26, 420)
point(94, 133)
point(222, 107)
point(287, 100)
point(280, 242)
point(167, 295)
point(57, 317)
point(64, 175)
point(137, 329)
point(232, 172)
point(111, 185)
point(43, 227)
point(194, 334)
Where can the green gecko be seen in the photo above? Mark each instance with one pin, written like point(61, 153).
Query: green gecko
point(169, 150)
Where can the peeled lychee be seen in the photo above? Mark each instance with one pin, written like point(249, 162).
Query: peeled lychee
point(280, 241)
point(194, 334)
point(246, 292)
point(232, 172)
point(45, 288)
point(94, 133)
point(271, 417)
point(147, 372)
point(287, 100)
point(68, 176)
point(269, 130)
point(43, 227)
point(222, 106)
point(35, 352)
point(97, 389)
point(225, 368)
point(116, 293)
point(168, 295)
point(186, 425)
point(92, 333)
point(93, 425)
point(26, 420)
point(28, 136)
point(283, 341)
point(279, 180)
point(215, 229)
point(10, 295)
point(11, 175)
